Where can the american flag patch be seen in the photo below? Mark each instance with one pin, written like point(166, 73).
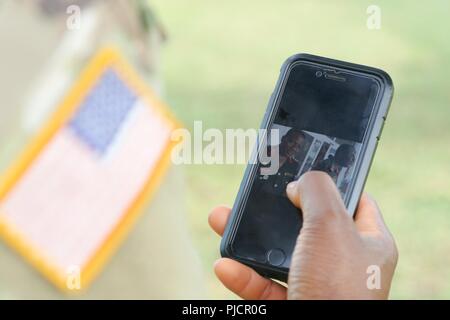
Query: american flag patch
point(75, 189)
point(103, 111)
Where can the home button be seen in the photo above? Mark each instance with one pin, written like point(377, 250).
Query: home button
point(276, 257)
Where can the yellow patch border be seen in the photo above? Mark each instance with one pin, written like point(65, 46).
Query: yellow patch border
point(106, 58)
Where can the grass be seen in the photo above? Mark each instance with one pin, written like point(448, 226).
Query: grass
point(221, 64)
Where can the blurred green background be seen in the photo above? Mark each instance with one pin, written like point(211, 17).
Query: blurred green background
point(221, 64)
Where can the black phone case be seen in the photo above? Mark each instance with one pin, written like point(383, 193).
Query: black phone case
point(374, 131)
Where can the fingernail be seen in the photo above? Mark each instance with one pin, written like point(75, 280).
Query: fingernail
point(291, 185)
point(216, 263)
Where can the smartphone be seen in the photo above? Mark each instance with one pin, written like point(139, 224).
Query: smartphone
point(324, 115)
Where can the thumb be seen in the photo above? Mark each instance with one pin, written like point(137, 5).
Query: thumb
point(315, 193)
point(324, 237)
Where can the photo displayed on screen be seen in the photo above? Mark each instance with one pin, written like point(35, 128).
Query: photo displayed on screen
point(300, 151)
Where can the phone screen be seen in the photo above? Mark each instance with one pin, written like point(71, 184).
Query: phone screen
point(322, 117)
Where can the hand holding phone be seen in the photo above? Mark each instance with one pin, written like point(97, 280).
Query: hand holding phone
point(333, 253)
point(324, 115)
